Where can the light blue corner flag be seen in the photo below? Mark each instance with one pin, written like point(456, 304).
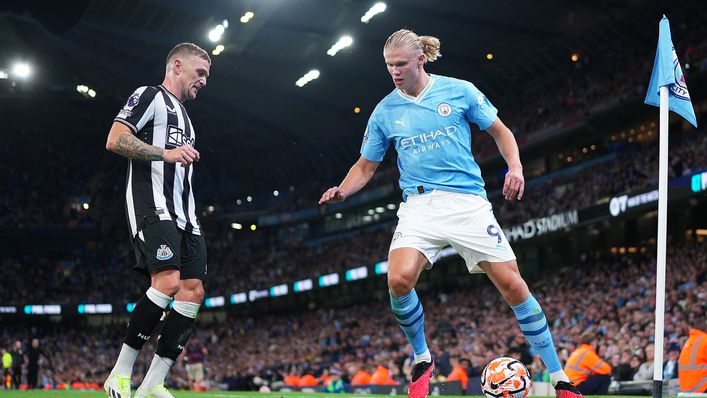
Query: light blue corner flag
point(667, 72)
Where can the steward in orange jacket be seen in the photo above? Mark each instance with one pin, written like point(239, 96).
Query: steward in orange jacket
point(589, 373)
point(692, 363)
point(362, 378)
point(382, 376)
point(459, 374)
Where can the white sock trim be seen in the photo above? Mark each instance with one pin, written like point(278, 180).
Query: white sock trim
point(160, 299)
point(558, 376)
point(424, 357)
point(186, 308)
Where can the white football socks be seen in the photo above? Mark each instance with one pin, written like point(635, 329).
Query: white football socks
point(156, 374)
point(126, 359)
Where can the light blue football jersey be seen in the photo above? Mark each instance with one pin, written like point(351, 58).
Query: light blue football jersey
point(432, 136)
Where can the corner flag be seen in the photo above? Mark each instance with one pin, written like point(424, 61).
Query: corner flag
point(667, 72)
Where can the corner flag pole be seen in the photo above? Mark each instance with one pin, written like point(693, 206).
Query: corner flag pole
point(668, 83)
point(662, 243)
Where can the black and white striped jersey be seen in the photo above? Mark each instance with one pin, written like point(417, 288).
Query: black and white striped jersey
point(159, 190)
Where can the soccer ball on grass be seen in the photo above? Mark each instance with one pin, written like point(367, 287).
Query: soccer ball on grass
point(505, 377)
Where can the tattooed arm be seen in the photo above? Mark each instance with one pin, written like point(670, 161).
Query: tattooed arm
point(122, 141)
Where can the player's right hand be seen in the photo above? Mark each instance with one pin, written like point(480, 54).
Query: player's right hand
point(332, 195)
point(184, 154)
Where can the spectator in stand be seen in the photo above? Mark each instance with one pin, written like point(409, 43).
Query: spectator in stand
point(645, 370)
point(621, 368)
point(670, 366)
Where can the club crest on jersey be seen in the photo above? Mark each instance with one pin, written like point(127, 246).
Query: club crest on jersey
point(164, 253)
point(679, 89)
point(444, 109)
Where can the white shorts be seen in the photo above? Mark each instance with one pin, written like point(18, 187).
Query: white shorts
point(432, 221)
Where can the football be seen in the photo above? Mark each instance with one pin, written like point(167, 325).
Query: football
point(505, 377)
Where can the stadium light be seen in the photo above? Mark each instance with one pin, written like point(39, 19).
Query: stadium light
point(373, 11)
point(247, 17)
point(338, 216)
point(308, 77)
point(218, 50)
point(86, 91)
point(275, 193)
point(344, 42)
point(3, 74)
point(21, 70)
point(216, 33)
point(249, 199)
point(236, 225)
point(225, 23)
point(86, 206)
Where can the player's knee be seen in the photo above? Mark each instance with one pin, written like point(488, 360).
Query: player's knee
point(198, 294)
point(192, 292)
point(516, 290)
point(400, 285)
point(169, 288)
point(166, 282)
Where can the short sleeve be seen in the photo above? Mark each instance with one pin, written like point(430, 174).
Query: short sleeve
point(139, 109)
point(481, 112)
point(374, 143)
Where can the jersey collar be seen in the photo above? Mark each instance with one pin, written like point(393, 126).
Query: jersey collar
point(170, 94)
point(422, 94)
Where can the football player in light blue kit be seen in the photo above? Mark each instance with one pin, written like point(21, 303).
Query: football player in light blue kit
point(426, 118)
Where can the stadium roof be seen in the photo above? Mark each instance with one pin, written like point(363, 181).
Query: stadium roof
point(263, 129)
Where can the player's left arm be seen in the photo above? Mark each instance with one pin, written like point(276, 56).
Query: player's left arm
point(514, 183)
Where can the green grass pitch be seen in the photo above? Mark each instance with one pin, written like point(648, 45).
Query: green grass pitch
point(216, 394)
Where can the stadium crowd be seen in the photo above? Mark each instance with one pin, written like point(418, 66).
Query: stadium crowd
point(630, 168)
point(611, 295)
point(608, 294)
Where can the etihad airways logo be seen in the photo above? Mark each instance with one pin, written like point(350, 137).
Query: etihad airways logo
point(429, 141)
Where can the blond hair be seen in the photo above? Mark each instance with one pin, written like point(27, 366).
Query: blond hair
point(428, 45)
point(187, 49)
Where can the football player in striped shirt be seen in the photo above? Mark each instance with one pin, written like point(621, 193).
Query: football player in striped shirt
point(154, 132)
